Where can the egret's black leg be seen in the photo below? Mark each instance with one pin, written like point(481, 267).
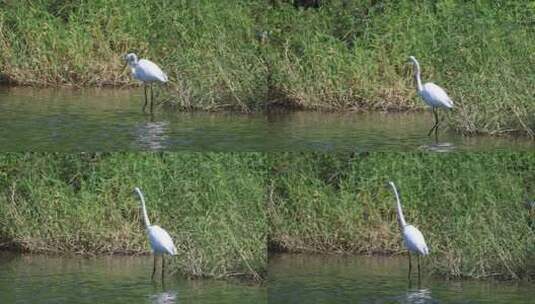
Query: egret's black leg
point(410, 266)
point(418, 258)
point(151, 97)
point(153, 269)
point(435, 126)
point(145, 104)
point(163, 266)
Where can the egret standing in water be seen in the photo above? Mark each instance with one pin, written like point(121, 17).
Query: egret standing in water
point(433, 95)
point(147, 72)
point(412, 237)
point(160, 241)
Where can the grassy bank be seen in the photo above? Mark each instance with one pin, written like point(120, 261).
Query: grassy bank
point(221, 208)
point(211, 204)
point(345, 55)
point(470, 207)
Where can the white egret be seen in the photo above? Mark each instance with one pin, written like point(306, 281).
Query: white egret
point(160, 241)
point(147, 72)
point(433, 95)
point(412, 237)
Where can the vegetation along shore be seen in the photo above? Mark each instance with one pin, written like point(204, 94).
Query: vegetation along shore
point(225, 211)
point(474, 210)
point(250, 55)
point(211, 204)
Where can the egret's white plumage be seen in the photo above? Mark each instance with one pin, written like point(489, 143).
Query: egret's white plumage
point(433, 95)
point(145, 71)
point(160, 241)
point(412, 237)
point(414, 240)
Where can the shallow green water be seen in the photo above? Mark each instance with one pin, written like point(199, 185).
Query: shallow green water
point(335, 279)
point(41, 279)
point(111, 120)
point(291, 279)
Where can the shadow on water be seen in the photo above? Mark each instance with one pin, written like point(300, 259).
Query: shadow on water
point(45, 279)
point(111, 120)
point(378, 280)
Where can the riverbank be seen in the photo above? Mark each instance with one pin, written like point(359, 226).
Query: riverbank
point(225, 211)
point(211, 204)
point(343, 56)
point(471, 208)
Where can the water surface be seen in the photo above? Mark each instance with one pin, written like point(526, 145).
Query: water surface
point(42, 279)
point(111, 120)
point(336, 279)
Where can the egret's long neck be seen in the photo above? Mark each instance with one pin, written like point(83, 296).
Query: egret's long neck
point(398, 205)
point(145, 216)
point(417, 75)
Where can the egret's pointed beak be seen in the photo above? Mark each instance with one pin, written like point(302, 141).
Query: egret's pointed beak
point(123, 57)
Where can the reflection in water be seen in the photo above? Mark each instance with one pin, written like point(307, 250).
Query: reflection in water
point(44, 279)
point(169, 297)
point(439, 147)
point(378, 280)
point(107, 120)
point(419, 296)
point(152, 135)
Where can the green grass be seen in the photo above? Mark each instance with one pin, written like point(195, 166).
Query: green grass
point(470, 207)
point(211, 204)
point(224, 210)
point(346, 55)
